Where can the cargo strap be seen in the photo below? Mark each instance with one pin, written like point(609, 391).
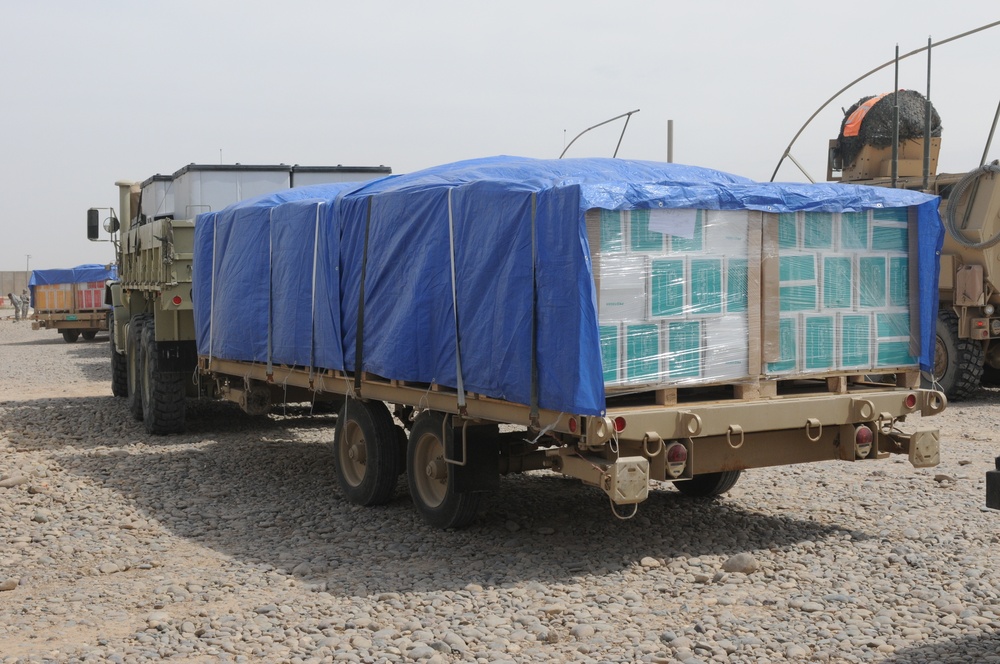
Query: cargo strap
point(312, 304)
point(534, 316)
point(460, 385)
point(359, 337)
point(211, 310)
point(270, 290)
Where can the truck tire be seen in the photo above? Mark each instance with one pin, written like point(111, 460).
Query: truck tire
point(133, 359)
point(958, 363)
point(366, 452)
point(709, 484)
point(119, 369)
point(70, 336)
point(89, 335)
point(162, 392)
point(430, 479)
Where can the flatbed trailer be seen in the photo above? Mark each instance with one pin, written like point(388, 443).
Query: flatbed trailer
point(752, 398)
point(702, 444)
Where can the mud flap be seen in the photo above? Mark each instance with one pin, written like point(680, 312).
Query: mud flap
point(993, 487)
point(476, 466)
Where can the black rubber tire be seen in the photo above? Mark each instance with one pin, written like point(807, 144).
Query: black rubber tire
point(366, 452)
point(709, 484)
point(162, 392)
point(89, 335)
point(119, 369)
point(958, 363)
point(133, 366)
point(435, 498)
point(70, 336)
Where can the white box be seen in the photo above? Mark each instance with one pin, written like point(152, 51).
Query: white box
point(621, 288)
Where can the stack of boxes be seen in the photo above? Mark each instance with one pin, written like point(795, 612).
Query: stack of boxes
point(844, 295)
point(674, 306)
point(672, 295)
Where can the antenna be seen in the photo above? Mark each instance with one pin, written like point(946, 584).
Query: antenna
point(623, 115)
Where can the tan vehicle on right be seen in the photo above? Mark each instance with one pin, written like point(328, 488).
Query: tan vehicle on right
point(968, 326)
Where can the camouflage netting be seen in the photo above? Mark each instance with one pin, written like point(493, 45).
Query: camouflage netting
point(876, 128)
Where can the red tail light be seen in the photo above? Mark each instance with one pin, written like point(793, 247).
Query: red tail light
point(619, 424)
point(863, 438)
point(911, 400)
point(677, 456)
point(177, 300)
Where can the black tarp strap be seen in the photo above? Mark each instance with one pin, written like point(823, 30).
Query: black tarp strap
point(460, 385)
point(270, 293)
point(534, 316)
point(359, 337)
point(312, 303)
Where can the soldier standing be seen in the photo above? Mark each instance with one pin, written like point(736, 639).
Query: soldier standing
point(25, 301)
point(15, 301)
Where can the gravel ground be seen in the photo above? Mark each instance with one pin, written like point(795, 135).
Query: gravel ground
point(231, 543)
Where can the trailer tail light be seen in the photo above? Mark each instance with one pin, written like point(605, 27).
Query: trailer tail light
point(979, 328)
point(677, 457)
point(863, 437)
point(572, 425)
point(177, 300)
point(619, 424)
point(910, 401)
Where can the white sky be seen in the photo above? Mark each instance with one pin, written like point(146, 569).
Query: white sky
point(94, 92)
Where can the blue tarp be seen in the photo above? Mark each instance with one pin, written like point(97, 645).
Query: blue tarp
point(279, 278)
point(74, 275)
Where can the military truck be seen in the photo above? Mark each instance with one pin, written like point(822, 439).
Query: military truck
point(71, 301)
point(627, 323)
point(968, 326)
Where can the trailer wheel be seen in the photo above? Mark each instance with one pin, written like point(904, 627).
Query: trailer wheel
point(133, 359)
point(958, 363)
point(429, 476)
point(89, 335)
point(709, 484)
point(366, 452)
point(119, 369)
point(70, 336)
point(162, 392)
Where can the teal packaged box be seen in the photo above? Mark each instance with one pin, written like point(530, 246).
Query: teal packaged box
point(737, 285)
point(819, 342)
point(872, 282)
point(642, 353)
point(890, 237)
point(706, 286)
point(611, 353)
point(668, 282)
point(899, 281)
point(854, 333)
point(696, 243)
point(798, 290)
point(641, 239)
point(838, 282)
point(817, 230)
point(892, 340)
point(684, 349)
point(727, 348)
point(854, 231)
point(788, 231)
point(612, 231)
point(788, 338)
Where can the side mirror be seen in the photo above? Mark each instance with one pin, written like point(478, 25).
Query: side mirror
point(93, 224)
point(111, 224)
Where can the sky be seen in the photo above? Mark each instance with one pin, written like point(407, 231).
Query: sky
point(96, 92)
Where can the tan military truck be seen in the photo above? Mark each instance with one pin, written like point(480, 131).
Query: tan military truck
point(968, 326)
point(633, 322)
